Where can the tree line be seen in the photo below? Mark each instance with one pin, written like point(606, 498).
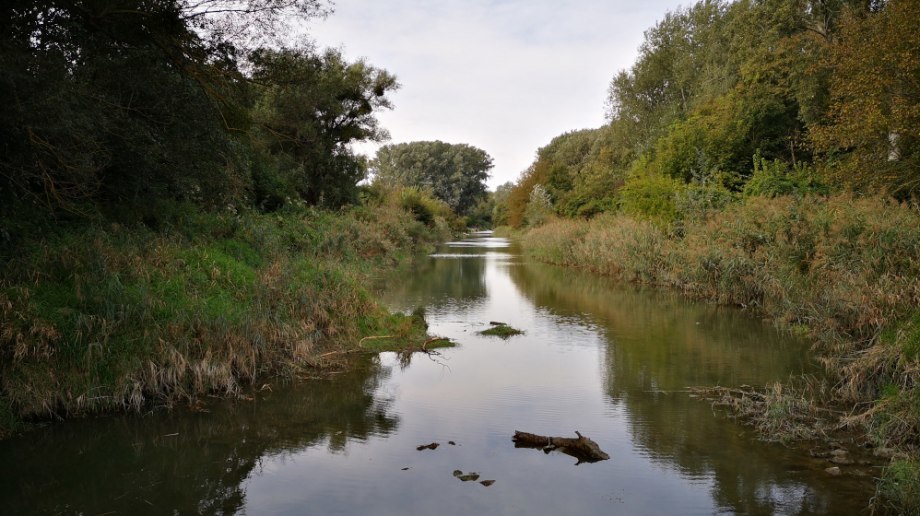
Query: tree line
point(118, 110)
point(754, 97)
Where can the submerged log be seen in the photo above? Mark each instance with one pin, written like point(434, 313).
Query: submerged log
point(582, 448)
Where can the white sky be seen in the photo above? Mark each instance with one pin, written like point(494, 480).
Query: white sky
point(504, 75)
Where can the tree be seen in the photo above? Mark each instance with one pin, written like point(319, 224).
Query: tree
point(500, 204)
point(111, 103)
point(308, 108)
point(119, 107)
point(872, 134)
point(455, 173)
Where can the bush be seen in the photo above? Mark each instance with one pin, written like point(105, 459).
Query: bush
point(775, 178)
point(539, 207)
point(698, 201)
point(651, 197)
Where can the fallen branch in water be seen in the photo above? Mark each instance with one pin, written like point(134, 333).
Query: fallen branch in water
point(779, 412)
point(582, 448)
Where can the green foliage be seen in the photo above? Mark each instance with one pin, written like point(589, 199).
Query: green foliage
point(502, 331)
point(481, 214)
point(121, 317)
point(539, 207)
point(774, 178)
point(422, 205)
point(309, 107)
point(500, 214)
point(899, 488)
point(872, 133)
point(580, 172)
point(651, 197)
point(110, 106)
point(454, 173)
point(118, 109)
point(697, 201)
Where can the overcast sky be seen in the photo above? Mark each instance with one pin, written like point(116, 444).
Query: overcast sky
point(503, 75)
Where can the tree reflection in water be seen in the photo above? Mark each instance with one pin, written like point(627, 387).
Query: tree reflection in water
point(659, 343)
point(187, 462)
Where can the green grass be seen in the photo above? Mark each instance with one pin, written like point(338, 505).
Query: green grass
point(104, 317)
point(501, 330)
point(899, 488)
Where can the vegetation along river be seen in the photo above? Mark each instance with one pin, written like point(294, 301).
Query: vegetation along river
point(607, 360)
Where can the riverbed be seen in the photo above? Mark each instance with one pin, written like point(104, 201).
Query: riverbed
point(608, 360)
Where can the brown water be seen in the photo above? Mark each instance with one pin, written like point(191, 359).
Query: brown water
point(605, 359)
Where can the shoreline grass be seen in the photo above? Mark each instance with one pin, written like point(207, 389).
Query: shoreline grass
point(109, 318)
point(844, 270)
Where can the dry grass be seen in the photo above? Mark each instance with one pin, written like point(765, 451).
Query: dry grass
point(780, 412)
point(844, 269)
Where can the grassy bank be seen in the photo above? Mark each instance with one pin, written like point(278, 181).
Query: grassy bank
point(111, 318)
point(843, 269)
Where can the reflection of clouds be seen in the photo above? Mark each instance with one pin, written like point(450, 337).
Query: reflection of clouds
point(482, 242)
point(490, 256)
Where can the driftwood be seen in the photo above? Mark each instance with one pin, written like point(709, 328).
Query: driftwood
point(582, 448)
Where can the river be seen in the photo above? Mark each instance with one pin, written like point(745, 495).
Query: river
point(611, 361)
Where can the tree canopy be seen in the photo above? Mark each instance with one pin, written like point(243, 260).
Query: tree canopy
point(455, 173)
point(800, 94)
point(113, 108)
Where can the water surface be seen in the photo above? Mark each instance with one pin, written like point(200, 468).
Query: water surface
point(608, 360)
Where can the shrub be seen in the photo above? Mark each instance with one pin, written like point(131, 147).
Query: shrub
point(698, 201)
point(539, 207)
point(775, 178)
point(651, 197)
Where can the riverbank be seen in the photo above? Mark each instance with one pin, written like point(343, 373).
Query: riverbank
point(104, 317)
point(842, 270)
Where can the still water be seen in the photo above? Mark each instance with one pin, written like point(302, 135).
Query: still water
point(607, 360)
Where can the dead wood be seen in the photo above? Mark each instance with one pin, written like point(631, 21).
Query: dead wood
point(581, 447)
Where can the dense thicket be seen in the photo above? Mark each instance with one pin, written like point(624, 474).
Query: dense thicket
point(115, 110)
point(755, 97)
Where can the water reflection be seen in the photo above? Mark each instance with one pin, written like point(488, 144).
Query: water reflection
point(187, 462)
point(601, 358)
point(454, 275)
point(656, 345)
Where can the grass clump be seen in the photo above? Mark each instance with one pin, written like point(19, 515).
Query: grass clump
point(780, 412)
point(107, 317)
point(501, 330)
point(899, 488)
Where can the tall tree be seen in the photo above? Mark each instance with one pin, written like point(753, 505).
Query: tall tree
point(455, 173)
point(872, 135)
point(309, 107)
